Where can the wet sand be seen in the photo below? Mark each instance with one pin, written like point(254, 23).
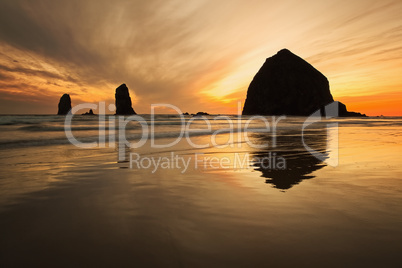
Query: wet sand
point(68, 208)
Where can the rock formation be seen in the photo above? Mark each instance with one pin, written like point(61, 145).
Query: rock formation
point(89, 113)
point(343, 112)
point(200, 114)
point(64, 105)
point(123, 101)
point(288, 85)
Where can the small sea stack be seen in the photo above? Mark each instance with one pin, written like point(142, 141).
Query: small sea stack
point(64, 105)
point(123, 101)
point(89, 113)
point(200, 114)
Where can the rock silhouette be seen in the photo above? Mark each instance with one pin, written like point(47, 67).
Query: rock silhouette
point(64, 105)
point(288, 85)
point(123, 101)
point(89, 113)
point(200, 114)
point(345, 113)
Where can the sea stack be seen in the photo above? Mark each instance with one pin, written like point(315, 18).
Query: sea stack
point(287, 85)
point(64, 105)
point(123, 101)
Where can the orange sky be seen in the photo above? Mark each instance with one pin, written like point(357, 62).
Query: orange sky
point(199, 55)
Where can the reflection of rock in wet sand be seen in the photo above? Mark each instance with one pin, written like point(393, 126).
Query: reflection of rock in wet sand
point(299, 162)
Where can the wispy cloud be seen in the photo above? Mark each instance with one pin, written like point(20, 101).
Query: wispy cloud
point(188, 53)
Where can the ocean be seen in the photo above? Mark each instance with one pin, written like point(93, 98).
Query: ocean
point(216, 191)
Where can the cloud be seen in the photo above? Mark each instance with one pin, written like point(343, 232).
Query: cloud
point(33, 72)
point(139, 42)
point(153, 46)
point(176, 51)
point(6, 77)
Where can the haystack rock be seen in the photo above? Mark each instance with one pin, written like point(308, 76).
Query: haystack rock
point(123, 101)
point(287, 85)
point(64, 105)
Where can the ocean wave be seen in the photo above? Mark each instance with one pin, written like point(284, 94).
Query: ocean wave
point(131, 137)
point(61, 128)
point(49, 130)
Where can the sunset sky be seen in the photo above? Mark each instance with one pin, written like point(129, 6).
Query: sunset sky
point(199, 55)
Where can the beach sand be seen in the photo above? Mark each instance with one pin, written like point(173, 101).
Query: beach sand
point(62, 206)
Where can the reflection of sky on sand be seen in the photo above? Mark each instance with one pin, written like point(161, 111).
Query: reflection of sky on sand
point(27, 170)
point(299, 164)
point(367, 152)
point(227, 217)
